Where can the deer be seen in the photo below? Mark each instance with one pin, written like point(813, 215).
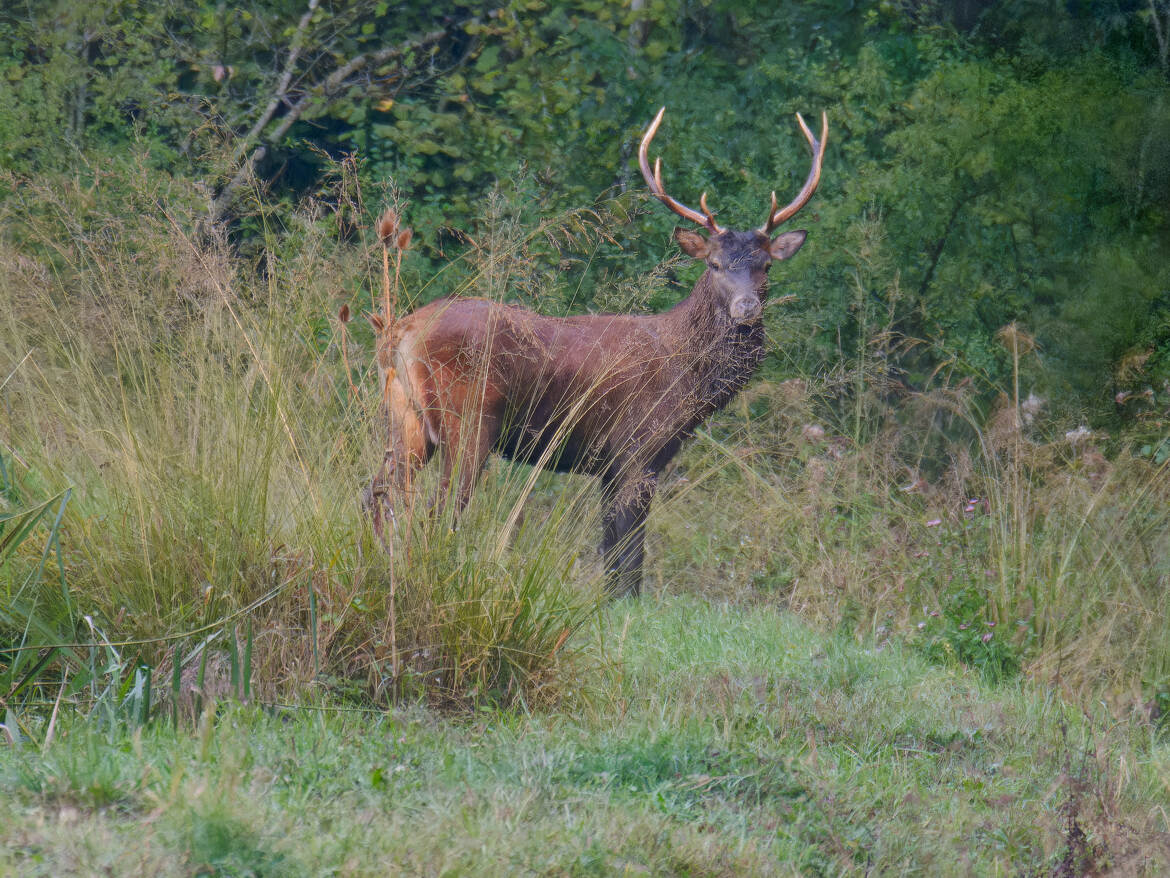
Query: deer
point(610, 395)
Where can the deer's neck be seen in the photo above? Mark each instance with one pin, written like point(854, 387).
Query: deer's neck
point(723, 355)
point(699, 320)
point(695, 318)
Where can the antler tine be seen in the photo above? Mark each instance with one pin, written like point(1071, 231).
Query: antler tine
point(654, 181)
point(707, 211)
point(775, 217)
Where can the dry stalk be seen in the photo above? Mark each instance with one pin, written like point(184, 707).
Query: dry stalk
point(390, 235)
point(344, 317)
point(1018, 342)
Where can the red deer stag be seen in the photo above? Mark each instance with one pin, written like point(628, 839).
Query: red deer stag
point(606, 394)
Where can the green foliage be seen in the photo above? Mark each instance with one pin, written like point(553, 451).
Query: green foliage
point(1159, 453)
point(965, 634)
point(222, 844)
point(35, 617)
point(1015, 154)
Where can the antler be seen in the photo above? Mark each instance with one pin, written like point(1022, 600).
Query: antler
point(654, 181)
point(775, 217)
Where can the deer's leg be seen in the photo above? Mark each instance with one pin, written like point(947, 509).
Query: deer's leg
point(407, 449)
point(469, 440)
point(627, 503)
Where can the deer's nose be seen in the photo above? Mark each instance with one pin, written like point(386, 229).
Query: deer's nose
point(745, 308)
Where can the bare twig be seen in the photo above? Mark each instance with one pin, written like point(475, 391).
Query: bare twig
point(325, 90)
point(939, 244)
point(391, 235)
point(1158, 9)
point(294, 52)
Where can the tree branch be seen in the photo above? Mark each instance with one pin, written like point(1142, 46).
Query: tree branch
point(1160, 33)
point(294, 52)
point(326, 90)
point(937, 248)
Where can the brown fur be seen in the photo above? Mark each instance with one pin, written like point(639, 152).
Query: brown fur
point(610, 395)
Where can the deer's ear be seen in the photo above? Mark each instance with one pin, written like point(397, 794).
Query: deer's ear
point(786, 245)
point(693, 243)
point(375, 321)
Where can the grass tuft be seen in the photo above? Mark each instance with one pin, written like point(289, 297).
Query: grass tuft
point(198, 413)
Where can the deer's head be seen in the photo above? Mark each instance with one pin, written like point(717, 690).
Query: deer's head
point(737, 262)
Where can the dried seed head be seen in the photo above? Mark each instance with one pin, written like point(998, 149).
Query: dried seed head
point(343, 314)
point(1015, 338)
point(813, 432)
point(388, 226)
point(404, 239)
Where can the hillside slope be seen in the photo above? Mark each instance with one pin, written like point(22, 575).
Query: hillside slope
point(721, 741)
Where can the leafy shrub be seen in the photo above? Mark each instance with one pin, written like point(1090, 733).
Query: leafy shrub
point(966, 635)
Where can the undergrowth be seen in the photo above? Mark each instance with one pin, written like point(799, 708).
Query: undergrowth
point(182, 425)
point(187, 434)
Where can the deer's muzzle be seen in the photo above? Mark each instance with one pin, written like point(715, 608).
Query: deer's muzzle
point(745, 308)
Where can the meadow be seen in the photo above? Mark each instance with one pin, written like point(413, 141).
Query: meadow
point(717, 740)
point(886, 630)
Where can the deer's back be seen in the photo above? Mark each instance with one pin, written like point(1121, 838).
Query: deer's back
point(590, 385)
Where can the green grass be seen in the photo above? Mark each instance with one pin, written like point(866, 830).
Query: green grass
point(841, 663)
point(721, 741)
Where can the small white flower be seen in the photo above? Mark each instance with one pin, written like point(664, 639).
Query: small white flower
point(813, 432)
point(1031, 407)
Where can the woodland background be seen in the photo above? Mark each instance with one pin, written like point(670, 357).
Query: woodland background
point(995, 162)
point(907, 600)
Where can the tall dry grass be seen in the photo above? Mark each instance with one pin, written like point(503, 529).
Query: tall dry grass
point(216, 435)
point(959, 519)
